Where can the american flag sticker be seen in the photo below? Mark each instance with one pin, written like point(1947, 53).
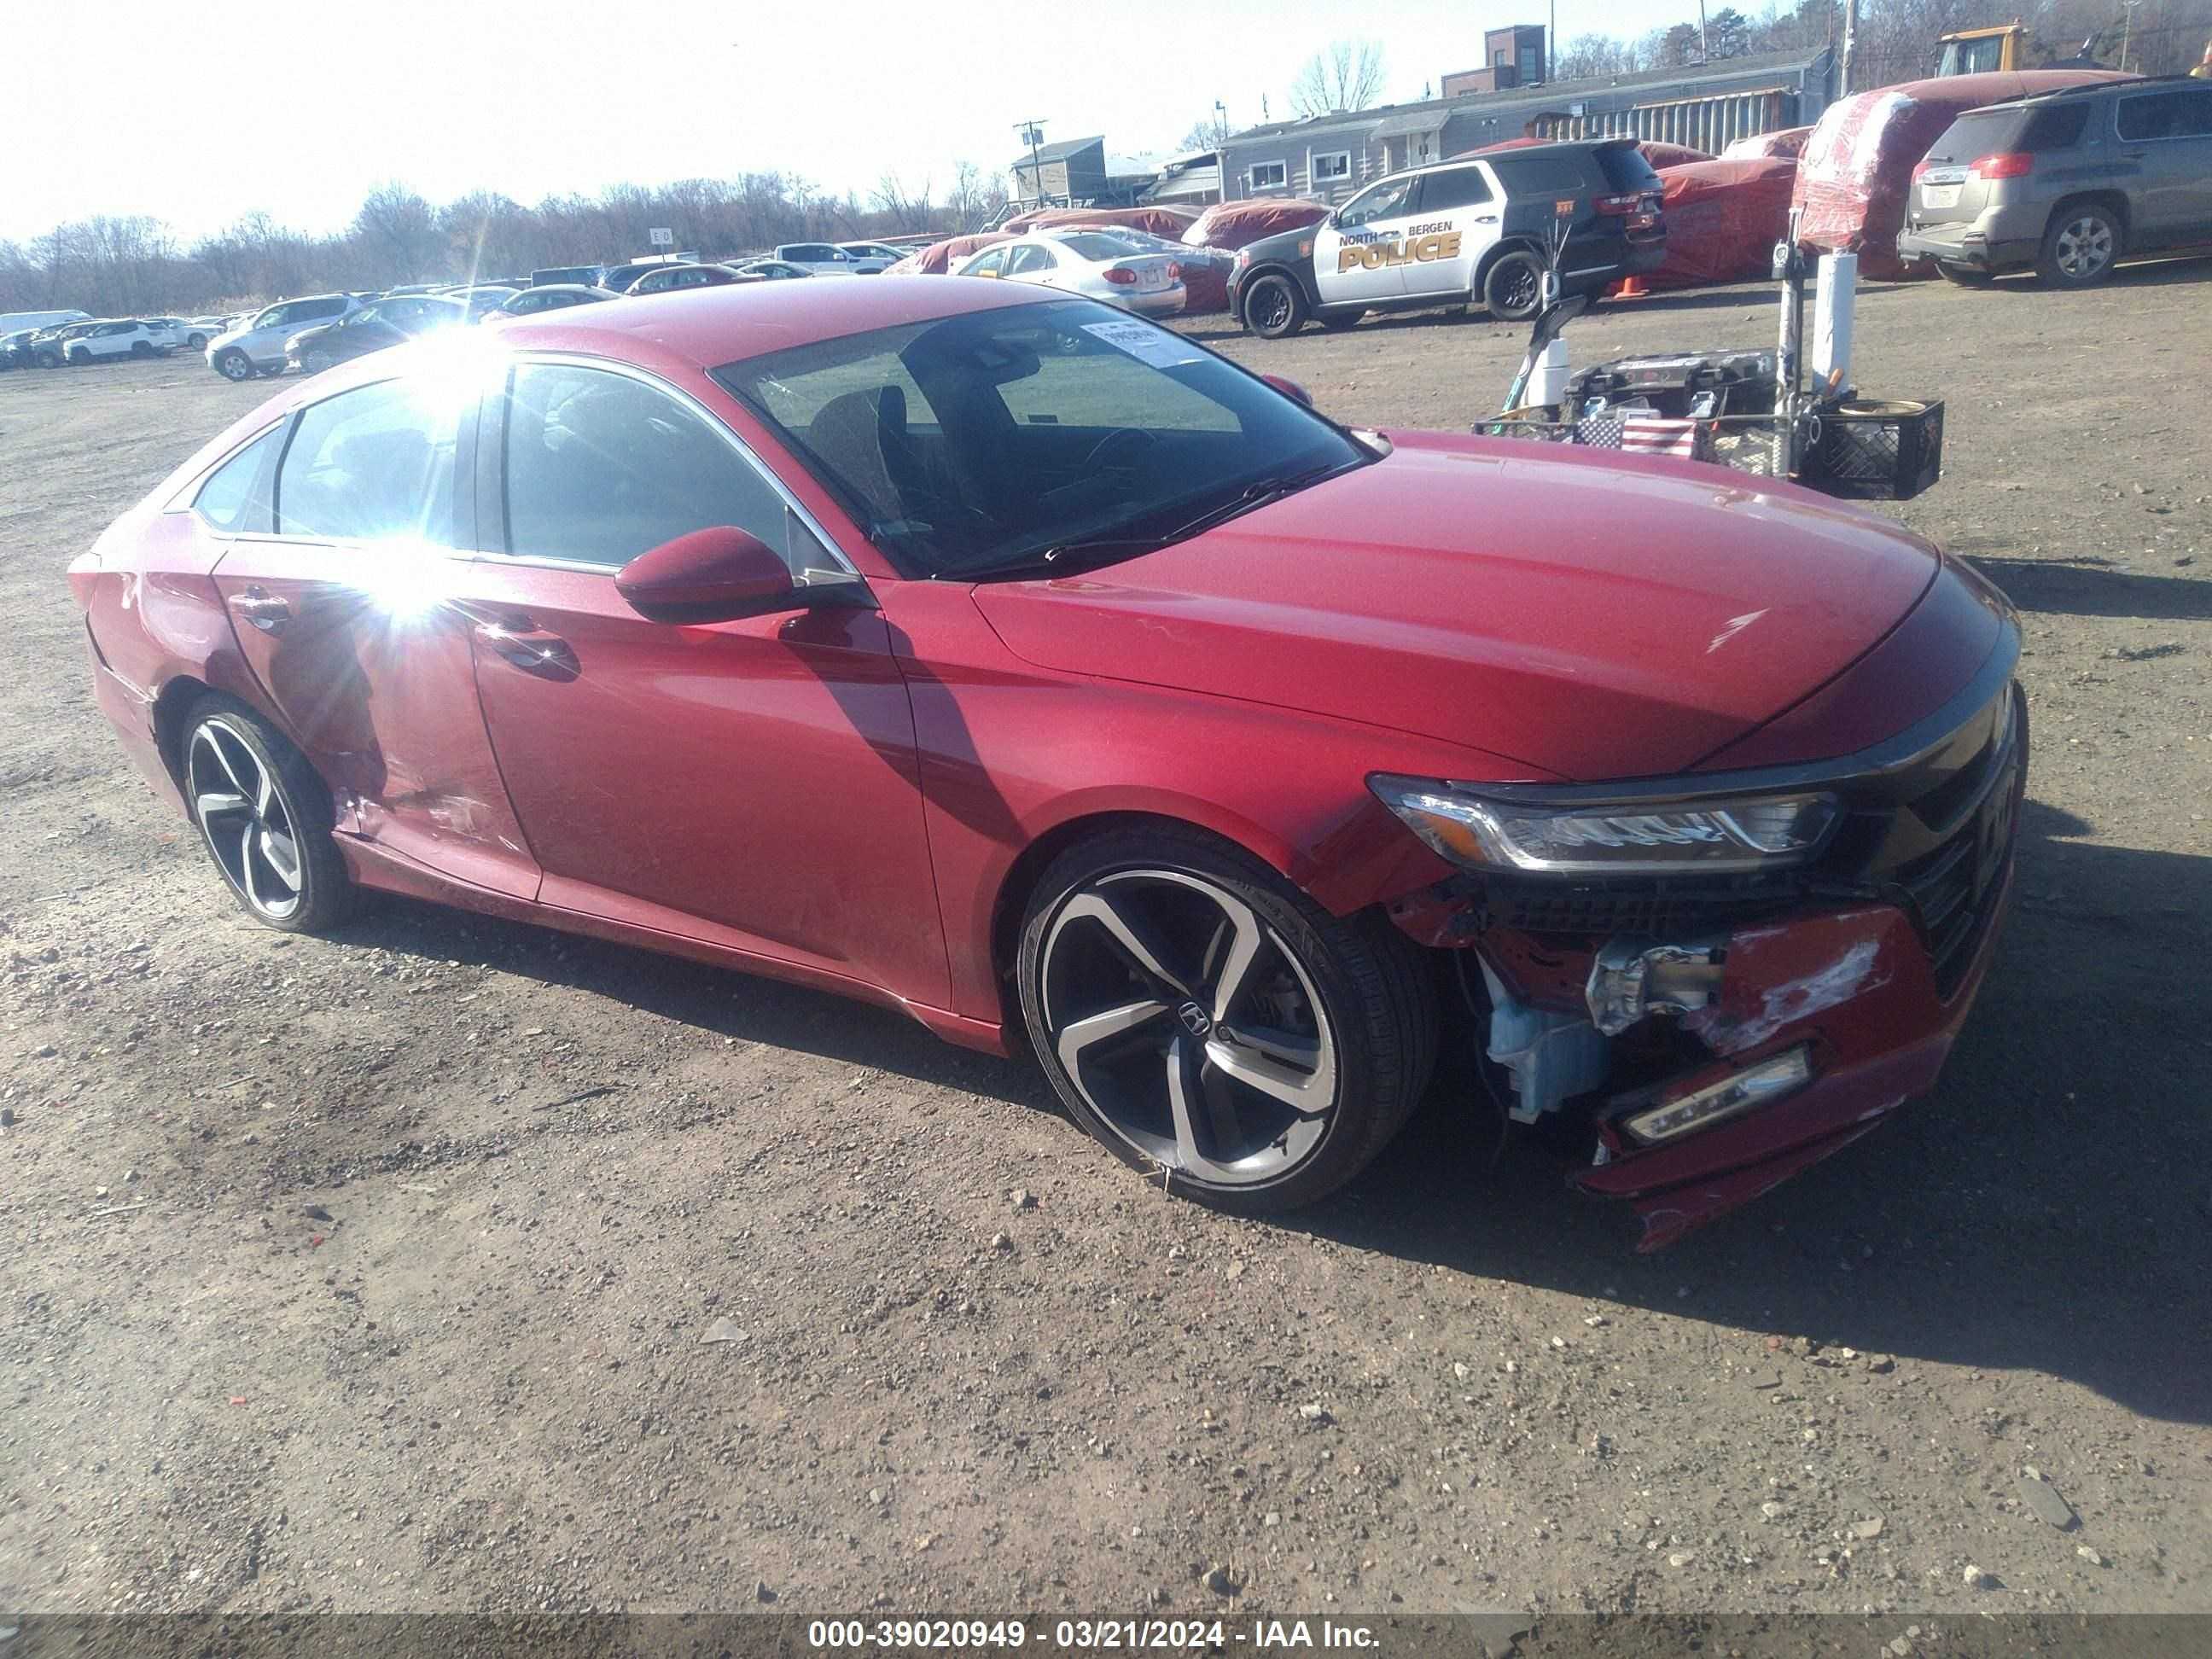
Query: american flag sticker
point(1655, 434)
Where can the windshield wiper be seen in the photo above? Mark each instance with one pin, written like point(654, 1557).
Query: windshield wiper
point(1065, 558)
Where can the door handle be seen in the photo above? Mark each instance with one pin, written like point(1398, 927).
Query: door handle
point(1485, 218)
point(533, 650)
point(264, 610)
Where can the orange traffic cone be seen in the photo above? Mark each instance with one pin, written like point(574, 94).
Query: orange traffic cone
point(1630, 288)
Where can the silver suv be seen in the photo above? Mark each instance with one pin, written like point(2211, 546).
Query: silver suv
point(256, 346)
point(2066, 185)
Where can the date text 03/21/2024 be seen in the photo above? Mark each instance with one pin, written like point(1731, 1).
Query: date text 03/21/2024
point(1090, 1635)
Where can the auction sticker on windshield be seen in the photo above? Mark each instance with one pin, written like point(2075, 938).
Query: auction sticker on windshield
point(1146, 344)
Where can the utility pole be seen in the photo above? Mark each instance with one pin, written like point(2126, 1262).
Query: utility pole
point(1221, 124)
point(1704, 46)
point(1032, 134)
point(2127, 29)
point(1552, 38)
point(1850, 39)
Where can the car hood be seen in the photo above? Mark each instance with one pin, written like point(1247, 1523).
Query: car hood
point(1591, 617)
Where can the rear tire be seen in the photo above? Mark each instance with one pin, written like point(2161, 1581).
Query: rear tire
point(1513, 287)
point(264, 817)
point(234, 365)
point(275, 369)
point(1214, 1026)
point(141, 349)
point(1274, 307)
point(2081, 247)
point(1966, 276)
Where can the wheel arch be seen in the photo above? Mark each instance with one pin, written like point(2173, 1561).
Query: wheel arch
point(1497, 251)
point(1304, 285)
point(2113, 202)
point(1019, 885)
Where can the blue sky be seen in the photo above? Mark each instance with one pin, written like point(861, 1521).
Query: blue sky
point(198, 114)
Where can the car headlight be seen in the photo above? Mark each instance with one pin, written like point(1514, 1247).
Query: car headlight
point(1540, 832)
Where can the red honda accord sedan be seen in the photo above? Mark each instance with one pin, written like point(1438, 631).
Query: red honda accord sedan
point(1013, 662)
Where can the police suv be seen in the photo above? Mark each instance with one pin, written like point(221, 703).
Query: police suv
point(1462, 231)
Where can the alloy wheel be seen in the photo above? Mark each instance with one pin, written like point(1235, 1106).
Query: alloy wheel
point(1521, 290)
point(317, 361)
point(1270, 308)
point(2084, 247)
point(248, 824)
point(1190, 1026)
point(235, 366)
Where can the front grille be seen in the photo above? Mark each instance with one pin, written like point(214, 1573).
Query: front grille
point(1660, 906)
point(1954, 887)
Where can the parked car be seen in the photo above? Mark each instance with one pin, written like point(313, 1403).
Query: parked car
point(666, 279)
point(113, 337)
point(256, 346)
point(46, 348)
point(15, 348)
point(389, 322)
point(768, 271)
point(1097, 263)
point(2066, 185)
point(619, 277)
point(825, 259)
point(534, 300)
point(567, 276)
point(14, 322)
point(481, 298)
point(198, 330)
point(874, 256)
point(1003, 658)
point(1466, 231)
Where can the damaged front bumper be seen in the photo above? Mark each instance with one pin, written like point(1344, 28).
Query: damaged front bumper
point(1716, 1040)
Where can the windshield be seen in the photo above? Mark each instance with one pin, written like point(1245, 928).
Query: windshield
point(980, 441)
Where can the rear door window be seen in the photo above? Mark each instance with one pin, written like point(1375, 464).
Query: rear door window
point(374, 464)
point(1454, 188)
point(2156, 115)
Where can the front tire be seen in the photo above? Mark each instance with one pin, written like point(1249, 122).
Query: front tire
point(265, 817)
point(1274, 307)
point(234, 365)
point(1513, 287)
point(317, 361)
point(1214, 1027)
point(2081, 247)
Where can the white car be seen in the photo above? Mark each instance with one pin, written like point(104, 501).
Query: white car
point(874, 256)
point(172, 333)
point(1099, 264)
point(115, 337)
point(256, 346)
point(826, 259)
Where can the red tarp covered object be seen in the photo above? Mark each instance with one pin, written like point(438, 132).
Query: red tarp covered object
point(1723, 219)
point(1160, 220)
point(941, 257)
point(1233, 225)
point(1789, 141)
point(1855, 172)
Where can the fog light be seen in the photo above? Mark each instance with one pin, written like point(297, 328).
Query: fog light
point(1754, 1085)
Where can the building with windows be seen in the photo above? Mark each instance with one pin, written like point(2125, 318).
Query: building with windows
point(1329, 157)
point(1511, 57)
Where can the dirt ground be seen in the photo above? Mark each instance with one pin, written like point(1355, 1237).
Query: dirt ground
point(378, 1273)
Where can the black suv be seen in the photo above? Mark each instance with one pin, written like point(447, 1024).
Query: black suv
point(2066, 185)
point(1460, 231)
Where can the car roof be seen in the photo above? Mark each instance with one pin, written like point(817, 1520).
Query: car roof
point(728, 322)
point(2134, 83)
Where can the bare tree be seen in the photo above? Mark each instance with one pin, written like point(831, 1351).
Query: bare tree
point(1590, 57)
point(401, 230)
point(1348, 75)
point(974, 197)
point(909, 209)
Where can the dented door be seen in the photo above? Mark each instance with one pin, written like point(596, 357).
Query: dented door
point(356, 617)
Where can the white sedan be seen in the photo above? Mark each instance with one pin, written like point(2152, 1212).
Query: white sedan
point(1097, 263)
